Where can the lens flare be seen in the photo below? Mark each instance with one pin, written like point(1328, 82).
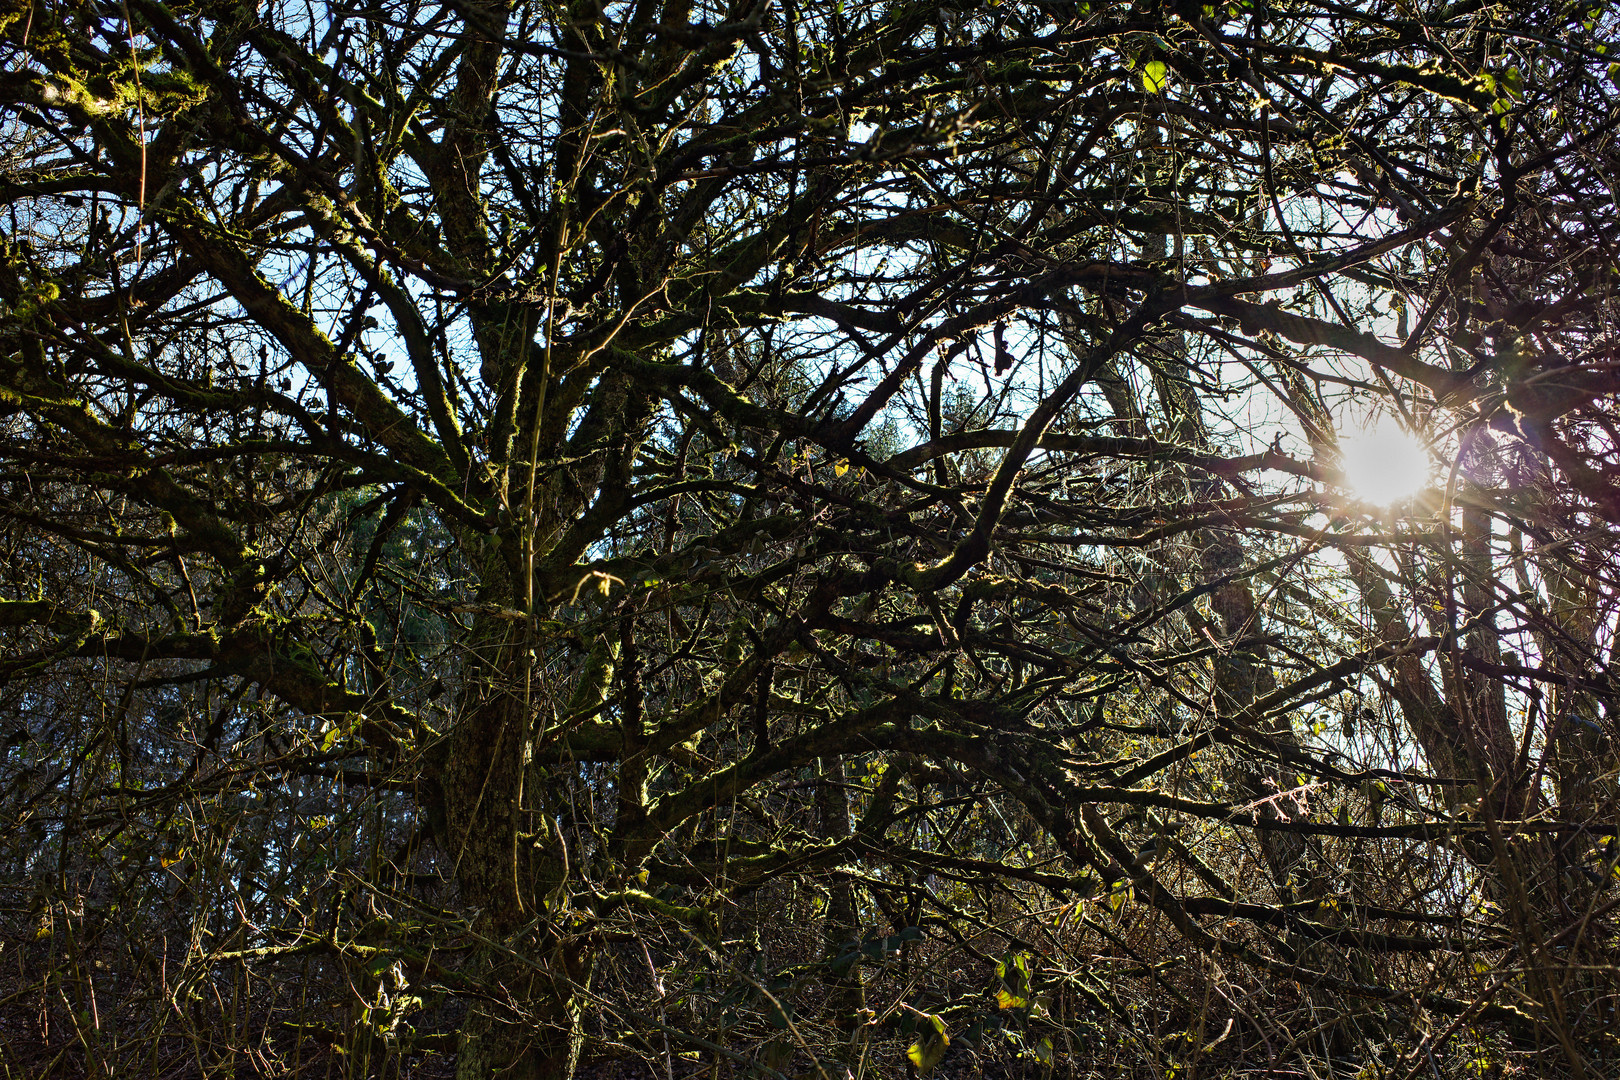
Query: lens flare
point(1383, 463)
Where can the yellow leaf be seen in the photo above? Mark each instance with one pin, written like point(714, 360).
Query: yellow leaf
point(167, 861)
point(1005, 1000)
point(840, 467)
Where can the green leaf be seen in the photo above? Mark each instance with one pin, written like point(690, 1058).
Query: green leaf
point(778, 1015)
point(776, 1053)
point(929, 1049)
point(1154, 76)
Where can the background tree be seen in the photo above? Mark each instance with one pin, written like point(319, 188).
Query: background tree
point(780, 534)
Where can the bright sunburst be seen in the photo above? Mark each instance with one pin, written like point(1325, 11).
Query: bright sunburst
point(1384, 463)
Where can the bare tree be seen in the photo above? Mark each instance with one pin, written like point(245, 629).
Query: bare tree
point(697, 529)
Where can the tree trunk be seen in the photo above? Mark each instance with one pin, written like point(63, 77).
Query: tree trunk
point(510, 868)
point(536, 1033)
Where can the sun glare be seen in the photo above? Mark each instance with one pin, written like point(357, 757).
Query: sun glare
point(1384, 463)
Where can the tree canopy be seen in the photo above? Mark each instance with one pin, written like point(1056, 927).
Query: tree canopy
point(775, 538)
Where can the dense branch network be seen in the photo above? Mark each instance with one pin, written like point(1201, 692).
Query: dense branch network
point(500, 498)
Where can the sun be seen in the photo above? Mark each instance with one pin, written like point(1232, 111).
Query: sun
point(1384, 463)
